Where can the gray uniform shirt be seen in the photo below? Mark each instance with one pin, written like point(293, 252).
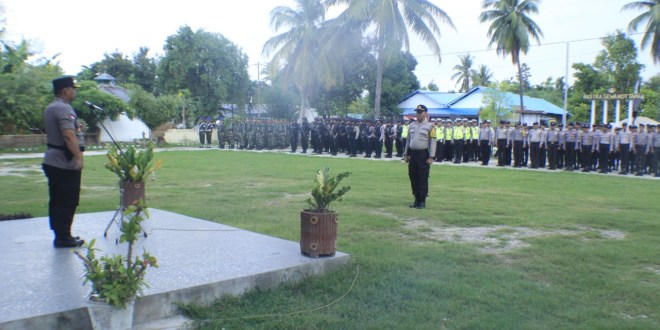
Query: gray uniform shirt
point(59, 116)
point(420, 137)
point(534, 135)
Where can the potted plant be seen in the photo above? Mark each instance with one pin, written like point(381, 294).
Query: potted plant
point(132, 167)
point(318, 224)
point(116, 280)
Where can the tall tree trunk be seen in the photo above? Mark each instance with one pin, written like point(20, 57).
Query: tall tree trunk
point(379, 75)
point(521, 90)
point(379, 83)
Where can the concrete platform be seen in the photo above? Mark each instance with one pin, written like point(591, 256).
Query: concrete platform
point(200, 261)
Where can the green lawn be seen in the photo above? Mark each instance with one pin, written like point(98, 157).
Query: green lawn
point(557, 250)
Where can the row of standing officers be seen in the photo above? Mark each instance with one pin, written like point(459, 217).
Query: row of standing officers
point(629, 149)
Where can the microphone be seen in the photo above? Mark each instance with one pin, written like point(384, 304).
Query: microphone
point(93, 106)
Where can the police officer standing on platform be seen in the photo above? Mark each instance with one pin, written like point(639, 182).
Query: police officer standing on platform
point(419, 152)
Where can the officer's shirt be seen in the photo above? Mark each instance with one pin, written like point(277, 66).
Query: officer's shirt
point(421, 136)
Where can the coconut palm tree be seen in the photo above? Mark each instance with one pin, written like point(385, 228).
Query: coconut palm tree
point(511, 28)
point(297, 53)
point(481, 77)
point(652, 19)
point(390, 21)
point(464, 72)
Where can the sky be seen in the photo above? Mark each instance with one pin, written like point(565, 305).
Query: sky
point(82, 31)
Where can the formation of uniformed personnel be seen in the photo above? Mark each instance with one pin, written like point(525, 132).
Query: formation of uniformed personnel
point(418, 153)
point(630, 149)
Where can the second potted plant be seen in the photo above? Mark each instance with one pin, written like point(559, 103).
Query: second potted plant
point(318, 224)
point(116, 280)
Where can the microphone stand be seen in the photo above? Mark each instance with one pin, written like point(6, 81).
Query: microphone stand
point(120, 208)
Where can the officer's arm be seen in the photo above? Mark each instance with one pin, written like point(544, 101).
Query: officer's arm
point(71, 143)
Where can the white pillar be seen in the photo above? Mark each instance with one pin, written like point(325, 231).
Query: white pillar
point(604, 111)
point(593, 113)
point(630, 111)
point(617, 114)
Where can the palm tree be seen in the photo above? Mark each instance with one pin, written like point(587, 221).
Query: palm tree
point(481, 77)
point(297, 52)
point(390, 20)
point(652, 19)
point(511, 28)
point(464, 72)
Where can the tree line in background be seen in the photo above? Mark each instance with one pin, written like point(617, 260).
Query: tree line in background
point(323, 64)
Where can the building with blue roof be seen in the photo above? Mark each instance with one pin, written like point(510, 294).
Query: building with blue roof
point(468, 105)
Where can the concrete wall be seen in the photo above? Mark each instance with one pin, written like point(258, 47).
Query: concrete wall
point(183, 136)
point(22, 141)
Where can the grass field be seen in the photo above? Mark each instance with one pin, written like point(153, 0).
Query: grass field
point(494, 249)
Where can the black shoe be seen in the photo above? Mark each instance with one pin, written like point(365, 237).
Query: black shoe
point(68, 242)
point(413, 205)
point(420, 205)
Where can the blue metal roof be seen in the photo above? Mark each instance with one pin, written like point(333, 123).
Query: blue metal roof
point(468, 104)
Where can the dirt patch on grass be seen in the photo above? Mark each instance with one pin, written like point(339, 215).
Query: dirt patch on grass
point(11, 169)
point(494, 239)
point(499, 239)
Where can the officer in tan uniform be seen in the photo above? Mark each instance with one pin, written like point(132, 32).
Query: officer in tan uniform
point(419, 152)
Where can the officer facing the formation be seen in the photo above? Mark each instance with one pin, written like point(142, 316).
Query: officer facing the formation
point(420, 146)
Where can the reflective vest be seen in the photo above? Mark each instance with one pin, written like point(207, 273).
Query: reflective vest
point(404, 132)
point(458, 133)
point(475, 132)
point(441, 133)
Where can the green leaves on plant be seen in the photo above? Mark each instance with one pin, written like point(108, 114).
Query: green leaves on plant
point(324, 193)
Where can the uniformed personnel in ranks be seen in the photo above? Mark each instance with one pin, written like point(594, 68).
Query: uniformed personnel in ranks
point(449, 137)
point(208, 131)
point(486, 138)
point(534, 142)
point(440, 140)
point(653, 148)
point(586, 147)
point(561, 152)
point(517, 140)
point(640, 139)
point(571, 136)
point(501, 136)
point(219, 124)
point(458, 140)
point(509, 143)
point(552, 143)
point(419, 149)
point(201, 130)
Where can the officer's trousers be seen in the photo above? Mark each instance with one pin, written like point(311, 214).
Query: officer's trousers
point(418, 172)
point(484, 149)
point(570, 155)
point(64, 195)
point(517, 153)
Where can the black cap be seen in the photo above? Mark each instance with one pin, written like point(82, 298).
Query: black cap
point(571, 124)
point(624, 124)
point(535, 123)
point(421, 108)
point(64, 82)
point(553, 123)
